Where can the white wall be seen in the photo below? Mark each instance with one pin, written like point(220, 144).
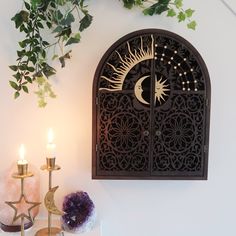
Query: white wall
point(128, 208)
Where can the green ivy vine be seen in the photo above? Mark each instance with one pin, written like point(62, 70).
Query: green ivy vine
point(65, 20)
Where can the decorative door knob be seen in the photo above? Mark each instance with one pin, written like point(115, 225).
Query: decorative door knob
point(146, 133)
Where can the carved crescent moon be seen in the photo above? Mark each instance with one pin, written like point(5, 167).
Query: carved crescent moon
point(50, 203)
point(138, 89)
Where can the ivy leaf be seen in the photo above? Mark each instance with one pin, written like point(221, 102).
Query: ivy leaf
point(35, 3)
point(14, 85)
point(24, 15)
point(181, 16)
point(63, 58)
point(75, 39)
point(22, 44)
point(178, 3)
point(68, 20)
point(192, 25)
point(27, 6)
point(28, 79)
point(58, 29)
point(65, 31)
point(48, 70)
point(58, 16)
point(189, 12)
point(33, 59)
point(54, 57)
point(16, 95)
point(40, 25)
point(47, 87)
point(157, 8)
point(139, 2)
point(49, 24)
point(25, 89)
point(21, 53)
point(43, 53)
point(129, 3)
point(42, 103)
point(45, 90)
point(42, 17)
point(31, 69)
point(81, 3)
point(17, 76)
point(61, 2)
point(23, 28)
point(20, 18)
point(40, 80)
point(85, 22)
point(45, 43)
point(13, 67)
point(171, 13)
point(52, 94)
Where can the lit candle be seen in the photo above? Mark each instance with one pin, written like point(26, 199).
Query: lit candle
point(22, 160)
point(22, 164)
point(51, 146)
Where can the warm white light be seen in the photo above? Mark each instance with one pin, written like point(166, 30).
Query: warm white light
point(50, 136)
point(22, 160)
point(51, 146)
point(22, 152)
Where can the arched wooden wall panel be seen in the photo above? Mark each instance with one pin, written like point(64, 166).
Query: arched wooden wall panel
point(151, 109)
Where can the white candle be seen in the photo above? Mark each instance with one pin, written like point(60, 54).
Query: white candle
point(51, 146)
point(22, 160)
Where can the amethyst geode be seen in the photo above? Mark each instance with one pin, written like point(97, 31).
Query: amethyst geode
point(79, 211)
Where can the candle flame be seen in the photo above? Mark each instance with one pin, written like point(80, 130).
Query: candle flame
point(50, 136)
point(22, 152)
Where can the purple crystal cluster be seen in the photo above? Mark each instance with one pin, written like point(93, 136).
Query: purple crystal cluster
point(79, 212)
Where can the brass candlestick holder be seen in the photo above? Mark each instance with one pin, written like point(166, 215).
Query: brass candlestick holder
point(49, 200)
point(22, 174)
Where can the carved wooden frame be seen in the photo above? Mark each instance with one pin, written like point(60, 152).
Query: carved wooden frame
point(178, 75)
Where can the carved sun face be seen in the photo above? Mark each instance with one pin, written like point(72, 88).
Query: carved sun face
point(161, 89)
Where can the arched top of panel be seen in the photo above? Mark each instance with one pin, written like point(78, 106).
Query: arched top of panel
point(173, 56)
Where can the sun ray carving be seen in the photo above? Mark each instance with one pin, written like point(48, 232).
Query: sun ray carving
point(127, 63)
point(160, 90)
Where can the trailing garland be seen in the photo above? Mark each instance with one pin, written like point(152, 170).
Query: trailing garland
point(61, 17)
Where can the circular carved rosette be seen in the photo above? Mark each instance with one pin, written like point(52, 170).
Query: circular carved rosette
point(123, 132)
point(178, 133)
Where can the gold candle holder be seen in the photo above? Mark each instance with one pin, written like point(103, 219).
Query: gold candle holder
point(22, 169)
point(22, 174)
point(51, 162)
point(49, 200)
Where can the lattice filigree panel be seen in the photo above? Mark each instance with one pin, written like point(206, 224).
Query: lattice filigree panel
point(151, 104)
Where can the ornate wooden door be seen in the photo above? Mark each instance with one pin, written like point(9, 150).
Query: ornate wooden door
point(151, 109)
